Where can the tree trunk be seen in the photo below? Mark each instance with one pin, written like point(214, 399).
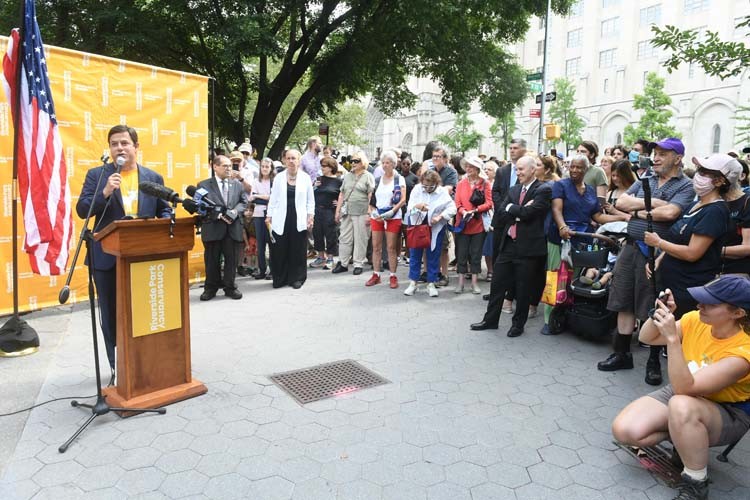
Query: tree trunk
point(294, 117)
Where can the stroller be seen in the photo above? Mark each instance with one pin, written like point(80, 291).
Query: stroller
point(587, 315)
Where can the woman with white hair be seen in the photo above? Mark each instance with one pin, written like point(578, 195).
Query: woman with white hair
point(574, 206)
point(352, 210)
point(385, 212)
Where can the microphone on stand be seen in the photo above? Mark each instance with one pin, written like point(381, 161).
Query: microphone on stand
point(159, 191)
point(200, 195)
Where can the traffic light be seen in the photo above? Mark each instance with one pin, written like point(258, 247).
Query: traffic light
point(551, 131)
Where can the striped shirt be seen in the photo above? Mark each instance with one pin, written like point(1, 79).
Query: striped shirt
point(678, 190)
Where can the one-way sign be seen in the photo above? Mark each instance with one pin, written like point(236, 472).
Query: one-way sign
point(551, 96)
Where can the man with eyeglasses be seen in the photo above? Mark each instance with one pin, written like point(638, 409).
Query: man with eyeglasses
point(631, 294)
point(222, 234)
point(449, 178)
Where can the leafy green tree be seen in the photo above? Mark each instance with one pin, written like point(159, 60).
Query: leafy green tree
point(463, 137)
point(344, 125)
point(716, 57)
point(259, 52)
point(563, 113)
point(742, 127)
point(654, 122)
point(502, 130)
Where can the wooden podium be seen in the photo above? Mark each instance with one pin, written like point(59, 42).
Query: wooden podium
point(153, 316)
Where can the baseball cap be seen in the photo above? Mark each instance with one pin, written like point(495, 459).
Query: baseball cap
point(236, 155)
point(245, 147)
point(670, 143)
point(728, 289)
point(728, 166)
point(560, 156)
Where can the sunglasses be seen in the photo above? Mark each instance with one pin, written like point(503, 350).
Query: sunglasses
point(356, 160)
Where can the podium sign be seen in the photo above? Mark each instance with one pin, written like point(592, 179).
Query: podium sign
point(153, 317)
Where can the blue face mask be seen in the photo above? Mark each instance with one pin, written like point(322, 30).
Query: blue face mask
point(633, 156)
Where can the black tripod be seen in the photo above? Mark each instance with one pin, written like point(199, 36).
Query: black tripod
point(100, 407)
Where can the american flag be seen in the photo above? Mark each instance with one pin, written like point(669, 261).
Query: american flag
point(42, 175)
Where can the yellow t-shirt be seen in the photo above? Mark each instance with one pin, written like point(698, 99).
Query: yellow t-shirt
point(702, 349)
point(129, 191)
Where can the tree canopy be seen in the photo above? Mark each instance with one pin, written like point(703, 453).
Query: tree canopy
point(717, 57)
point(259, 51)
point(654, 122)
point(463, 137)
point(563, 112)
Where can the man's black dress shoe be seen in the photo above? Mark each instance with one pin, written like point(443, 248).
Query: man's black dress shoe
point(357, 271)
point(486, 296)
point(233, 294)
point(616, 361)
point(483, 325)
point(653, 372)
point(297, 285)
point(208, 295)
point(339, 268)
point(515, 331)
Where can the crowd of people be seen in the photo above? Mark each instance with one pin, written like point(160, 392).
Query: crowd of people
point(681, 226)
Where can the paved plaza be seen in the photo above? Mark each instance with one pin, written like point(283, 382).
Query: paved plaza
point(467, 415)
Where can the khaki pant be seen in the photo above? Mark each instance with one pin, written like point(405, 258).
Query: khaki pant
point(355, 234)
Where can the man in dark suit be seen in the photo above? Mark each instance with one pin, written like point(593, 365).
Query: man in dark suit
point(505, 178)
point(523, 246)
point(222, 232)
point(114, 193)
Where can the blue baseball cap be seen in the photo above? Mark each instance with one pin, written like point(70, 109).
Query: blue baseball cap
point(727, 289)
point(670, 143)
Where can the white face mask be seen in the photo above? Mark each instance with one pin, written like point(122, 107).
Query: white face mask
point(702, 184)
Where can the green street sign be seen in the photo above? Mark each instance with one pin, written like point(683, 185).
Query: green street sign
point(533, 76)
point(535, 86)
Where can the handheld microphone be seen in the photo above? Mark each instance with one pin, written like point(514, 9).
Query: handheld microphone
point(159, 191)
point(119, 162)
point(200, 195)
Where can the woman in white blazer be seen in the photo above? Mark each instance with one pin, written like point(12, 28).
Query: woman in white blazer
point(291, 209)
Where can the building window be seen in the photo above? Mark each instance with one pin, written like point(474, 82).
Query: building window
point(607, 58)
point(576, 9)
point(540, 47)
point(541, 23)
point(691, 70)
point(618, 138)
point(609, 26)
point(609, 3)
point(606, 85)
point(573, 66)
point(574, 38)
point(651, 15)
point(716, 139)
point(646, 50)
point(696, 5)
point(645, 78)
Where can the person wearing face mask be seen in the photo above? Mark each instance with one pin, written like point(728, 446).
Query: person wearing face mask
point(691, 250)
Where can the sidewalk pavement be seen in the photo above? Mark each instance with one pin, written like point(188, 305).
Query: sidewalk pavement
point(467, 415)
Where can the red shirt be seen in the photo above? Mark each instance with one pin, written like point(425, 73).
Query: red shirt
point(463, 193)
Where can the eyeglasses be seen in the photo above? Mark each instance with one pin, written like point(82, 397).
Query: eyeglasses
point(356, 160)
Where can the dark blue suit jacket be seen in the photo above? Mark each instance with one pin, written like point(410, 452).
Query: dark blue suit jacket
point(148, 206)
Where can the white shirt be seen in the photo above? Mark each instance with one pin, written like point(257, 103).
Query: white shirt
point(384, 193)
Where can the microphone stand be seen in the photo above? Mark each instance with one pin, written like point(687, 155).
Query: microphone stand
point(645, 181)
point(100, 407)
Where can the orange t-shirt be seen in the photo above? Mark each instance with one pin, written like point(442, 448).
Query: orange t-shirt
point(701, 349)
point(129, 191)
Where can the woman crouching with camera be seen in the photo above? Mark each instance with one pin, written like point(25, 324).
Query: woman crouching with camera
point(707, 402)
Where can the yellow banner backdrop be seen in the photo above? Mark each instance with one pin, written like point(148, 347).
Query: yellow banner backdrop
point(92, 93)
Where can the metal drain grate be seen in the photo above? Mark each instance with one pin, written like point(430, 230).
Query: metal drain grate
point(327, 380)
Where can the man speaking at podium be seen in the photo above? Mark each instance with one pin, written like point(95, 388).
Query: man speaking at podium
point(116, 197)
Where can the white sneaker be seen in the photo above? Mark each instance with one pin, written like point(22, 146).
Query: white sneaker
point(458, 289)
point(411, 288)
point(475, 289)
point(432, 289)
